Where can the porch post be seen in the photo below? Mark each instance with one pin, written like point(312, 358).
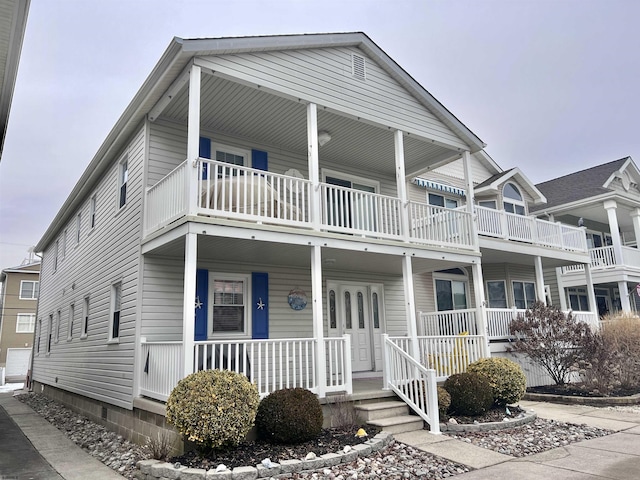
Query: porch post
point(188, 301)
point(466, 161)
point(401, 184)
point(591, 293)
point(193, 139)
point(624, 296)
point(314, 165)
point(481, 311)
point(635, 218)
point(410, 306)
point(562, 293)
point(318, 335)
point(537, 261)
point(610, 206)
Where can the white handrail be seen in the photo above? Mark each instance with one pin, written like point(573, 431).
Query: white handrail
point(167, 199)
point(440, 226)
point(449, 322)
point(413, 383)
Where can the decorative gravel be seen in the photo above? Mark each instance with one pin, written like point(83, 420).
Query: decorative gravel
point(397, 461)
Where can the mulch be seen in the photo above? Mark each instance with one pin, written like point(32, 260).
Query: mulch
point(580, 390)
point(496, 414)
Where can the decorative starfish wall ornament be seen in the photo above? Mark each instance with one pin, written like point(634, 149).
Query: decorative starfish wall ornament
point(260, 304)
point(198, 302)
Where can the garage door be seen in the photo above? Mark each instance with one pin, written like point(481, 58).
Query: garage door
point(17, 362)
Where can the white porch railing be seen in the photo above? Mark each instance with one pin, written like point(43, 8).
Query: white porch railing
point(440, 226)
point(450, 322)
point(271, 364)
point(510, 226)
point(167, 199)
point(605, 257)
point(233, 191)
point(412, 382)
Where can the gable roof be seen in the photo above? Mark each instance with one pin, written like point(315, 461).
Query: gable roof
point(491, 184)
point(172, 64)
point(583, 184)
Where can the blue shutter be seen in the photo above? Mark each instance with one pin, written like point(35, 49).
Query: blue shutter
point(260, 298)
point(260, 160)
point(202, 291)
point(205, 152)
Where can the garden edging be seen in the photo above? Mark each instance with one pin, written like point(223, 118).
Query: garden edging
point(156, 469)
point(528, 417)
point(577, 400)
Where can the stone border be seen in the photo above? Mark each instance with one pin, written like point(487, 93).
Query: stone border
point(528, 417)
point(576, 400)
point(155, 469)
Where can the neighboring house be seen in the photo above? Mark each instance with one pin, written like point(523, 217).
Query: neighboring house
point(282, 206)
point(13, 22)
point(605, 201)
point(18, 304)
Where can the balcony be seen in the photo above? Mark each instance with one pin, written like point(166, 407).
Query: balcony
point(226, 191)
point(520, 228)
point(604, 258)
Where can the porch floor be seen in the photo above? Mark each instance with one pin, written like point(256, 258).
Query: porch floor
point(365, 389)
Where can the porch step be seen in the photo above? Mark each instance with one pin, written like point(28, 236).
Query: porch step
point(375, 411)
point(399, 424)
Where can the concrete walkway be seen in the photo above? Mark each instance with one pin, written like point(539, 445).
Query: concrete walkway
point(615, 457)
point(31, 448)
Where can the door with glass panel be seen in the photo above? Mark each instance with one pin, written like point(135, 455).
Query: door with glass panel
point(352, 208)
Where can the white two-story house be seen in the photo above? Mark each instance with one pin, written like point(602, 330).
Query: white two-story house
point(285, 207)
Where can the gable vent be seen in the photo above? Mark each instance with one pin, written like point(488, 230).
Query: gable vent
point(358, 65)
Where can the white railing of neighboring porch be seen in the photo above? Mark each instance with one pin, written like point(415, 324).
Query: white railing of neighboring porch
point(502, 224)
point(167, 199)
point(440, 226)
point(271, 364)
point(605, 257)
point(450, 322)
point(412, 382)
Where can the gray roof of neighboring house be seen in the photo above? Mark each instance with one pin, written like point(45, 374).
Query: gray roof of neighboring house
point(579, 185)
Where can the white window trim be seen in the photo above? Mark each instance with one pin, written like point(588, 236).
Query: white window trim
point(32, 322)
point(246, 154)
point(93, 209)
point(112, 310)
point(34, 289)
point(444, 197)
point(56, 256)
point(513, 201)
point(493, 201)
point(84, 326)
point(58, 320)
point(248, 310)
point(513, 292)
point(38, 336)
point(49, 337)
point(506, 293)
point(70, 319)
point(452, 276)
point(78, 227)
point(119, 183)
point(350, 178)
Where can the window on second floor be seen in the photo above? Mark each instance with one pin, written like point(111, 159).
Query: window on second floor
point(123, 177)
point(72, 314)
point(85, 318)
point(26, 323)
point(56, 253)
point(513, 201)
point(441, 201)
point(78, 227)
point(116, 305)
point(29, 290)
point(92, 212)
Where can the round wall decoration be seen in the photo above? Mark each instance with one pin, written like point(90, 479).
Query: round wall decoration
point(297, 299)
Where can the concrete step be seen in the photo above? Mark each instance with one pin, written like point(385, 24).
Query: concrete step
point(399, 424)
point(374, 411)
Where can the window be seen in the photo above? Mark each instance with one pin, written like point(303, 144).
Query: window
point(376, 310)
point(39, 335)
point(26, 323)
point(350, 208)
point(594, 240)
point(332, 309)
point(29, 290)
point(451, 289)
point(72, 314)
point(497, 294)
point(578, 299)
point(78, 225)
point(92, 212)
point(524, 294)
point(85, 318)
point(63, 253)
point(488, 204)
point(513, 201)
point(226, 154)
point(116, 303)
point(58, 321)
point(123, 176)
point(49, 333)
point(55, 256)
point(229, 308)
point(441, 201)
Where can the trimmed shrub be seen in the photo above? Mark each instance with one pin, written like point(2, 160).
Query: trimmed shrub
point(471, 393)
point(290, 415)
point(213, 408)
point(506, 377)
point(444, 401)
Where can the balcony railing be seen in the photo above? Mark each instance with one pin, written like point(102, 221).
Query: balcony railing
point(440, 226)
point(510, 226)
point(605, 257)
point(270, 364)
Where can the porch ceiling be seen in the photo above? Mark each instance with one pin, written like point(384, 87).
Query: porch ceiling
point(517, 256)
point(245, 112)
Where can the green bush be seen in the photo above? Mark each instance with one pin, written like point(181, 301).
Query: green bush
point(444, 401)
point(471, 393)
point(506, 377)
point(290, 415)
point(213, 408)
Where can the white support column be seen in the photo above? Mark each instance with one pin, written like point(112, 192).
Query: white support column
point(537, 261)
point(610, 206)
point(401, 183)
point(318, 332)
point(410, 306)
point(624, 297)
point(635, 218)
point(591, 293)
point(193, 138)
point(315, 201)
point(561, 292)
point(188, 301)
point(466, 161)
point(481, 311)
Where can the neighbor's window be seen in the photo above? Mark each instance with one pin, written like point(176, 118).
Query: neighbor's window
point(524, 294)
point(513, 201)
point(116, 302)
point(123, 176)
point(578, 299)
point(92, 212)
point(29, 290)
point(441, 201)
point(497, 294)
point(230, 313)
point(26, 323)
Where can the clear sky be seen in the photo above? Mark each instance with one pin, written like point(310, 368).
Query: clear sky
point(550, 86)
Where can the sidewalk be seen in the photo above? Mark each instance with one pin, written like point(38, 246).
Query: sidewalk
point(32, 448)
point(615, 457)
